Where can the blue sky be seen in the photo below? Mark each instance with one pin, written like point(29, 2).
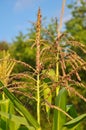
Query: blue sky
point(15, 14)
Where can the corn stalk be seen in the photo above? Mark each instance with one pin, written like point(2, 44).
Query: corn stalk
point(57, 43)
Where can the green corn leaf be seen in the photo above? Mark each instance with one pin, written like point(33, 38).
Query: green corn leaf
point(48, 97)
point(12, 112)
point(52, 74)
point(21, 108)
point(72, 125)
point(4, 105)
point(72, 112)
point(1, 84)
point(13, 125)
point(59, 117)
point(16, 120)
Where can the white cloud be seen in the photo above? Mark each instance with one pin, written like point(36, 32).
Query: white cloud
point(22, 4)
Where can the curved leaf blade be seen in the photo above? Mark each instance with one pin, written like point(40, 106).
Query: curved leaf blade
point(48, 97)
point(16, 119)
point(74, 122)
point(20, 107)
point(59, 117)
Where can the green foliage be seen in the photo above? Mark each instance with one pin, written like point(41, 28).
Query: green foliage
point(59, 117)
point(14, 121)
point(21, 50)
point(21, 108)
point(76, 26)
point(46, 91)
point(6, 67)
point(72, 125)
point(71, 110)
point(73, 113)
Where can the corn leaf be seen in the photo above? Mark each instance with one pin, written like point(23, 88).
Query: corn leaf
point(18, 120)
point(72, 112)
point(72, 125)
point(59, 117)
point(4, 106)
point(21, 108)
point(48, 97)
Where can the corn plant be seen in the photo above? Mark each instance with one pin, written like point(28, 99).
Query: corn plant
point(8, 119)
point(6, 106)
point(55, 76)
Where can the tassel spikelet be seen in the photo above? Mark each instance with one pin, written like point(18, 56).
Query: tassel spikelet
point(38, 35)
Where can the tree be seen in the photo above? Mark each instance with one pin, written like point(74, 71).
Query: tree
point(76, 26)
point(21, 50)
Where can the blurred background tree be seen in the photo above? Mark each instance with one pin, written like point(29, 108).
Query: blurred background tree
point(76, 26)
point(21, 50)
